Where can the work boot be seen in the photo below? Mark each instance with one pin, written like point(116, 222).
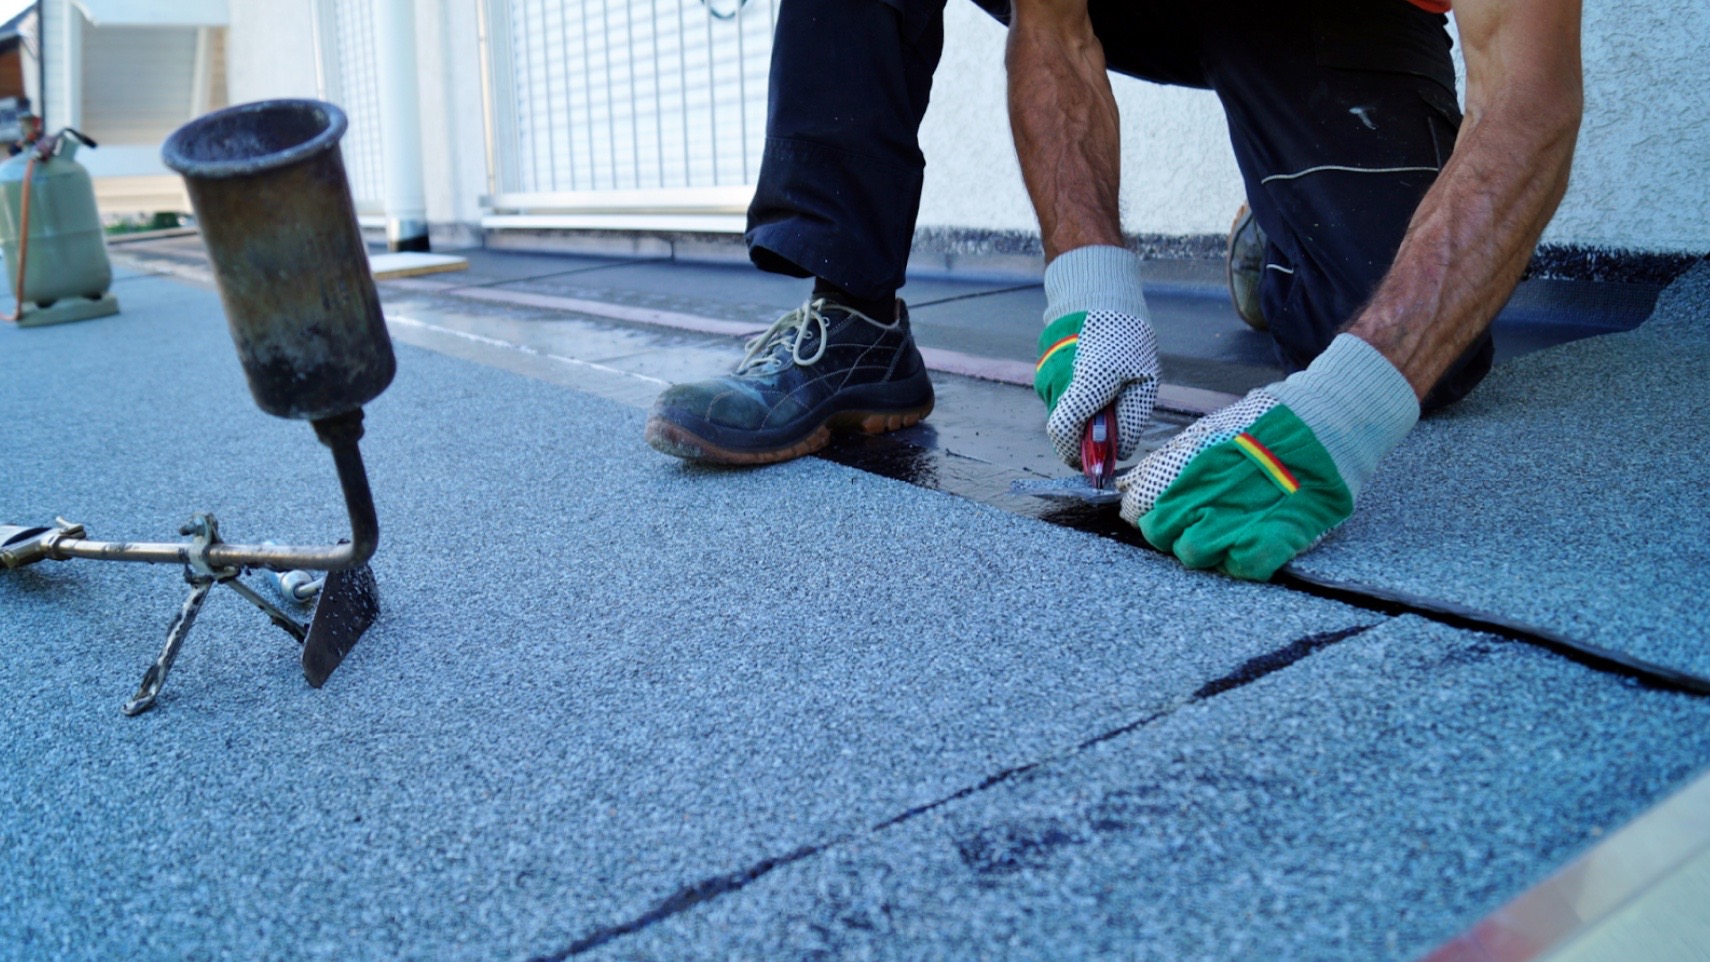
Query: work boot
point(819, 368)
point(1244, 267)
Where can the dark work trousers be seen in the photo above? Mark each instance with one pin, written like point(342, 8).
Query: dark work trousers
point(1340, 112)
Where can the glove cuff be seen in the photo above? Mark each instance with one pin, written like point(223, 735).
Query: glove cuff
point(1089, 279)
point(1356, 403)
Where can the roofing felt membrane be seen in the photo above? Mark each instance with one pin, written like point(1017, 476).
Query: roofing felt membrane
point(1567, 492)
point(802, 708)
point(1369, 802)
point(596, 675)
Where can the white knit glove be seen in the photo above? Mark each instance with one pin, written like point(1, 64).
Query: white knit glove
point(1097, 348)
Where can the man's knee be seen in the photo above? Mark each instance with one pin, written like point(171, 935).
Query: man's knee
point(1307, 301)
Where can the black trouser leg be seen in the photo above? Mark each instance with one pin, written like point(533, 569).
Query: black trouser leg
point(1340, 112)
point(1336, 155)
point(839, 184)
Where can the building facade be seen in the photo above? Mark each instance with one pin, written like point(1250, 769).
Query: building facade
point(649, 115)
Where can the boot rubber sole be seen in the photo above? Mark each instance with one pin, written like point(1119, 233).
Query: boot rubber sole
point(1248, 311)
point(677, 441)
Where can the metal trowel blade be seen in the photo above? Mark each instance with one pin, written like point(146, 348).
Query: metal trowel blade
point(350, 601)
point(1065, 489)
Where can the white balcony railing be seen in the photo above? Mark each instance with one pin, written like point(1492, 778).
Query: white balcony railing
point(620, 111)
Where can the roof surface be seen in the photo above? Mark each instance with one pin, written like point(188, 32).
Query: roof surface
point(623, 708)
point(1565, 492)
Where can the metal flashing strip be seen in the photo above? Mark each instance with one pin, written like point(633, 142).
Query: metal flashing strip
point(669, 200)
point(1611, 903)
point(1449, 613)
point(482, 339)
point(141, 236)
point(617, 312)
point(691, 222)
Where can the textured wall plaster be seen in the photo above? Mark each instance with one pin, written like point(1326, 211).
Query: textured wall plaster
point(1642, 172)
point(270, 50)
point(1178, 173)
point(1641, 177)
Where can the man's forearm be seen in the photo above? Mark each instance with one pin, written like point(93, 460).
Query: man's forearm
point(1474, 232)
point(1063, 115)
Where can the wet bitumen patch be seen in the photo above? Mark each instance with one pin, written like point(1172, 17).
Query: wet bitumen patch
point(982, 427)
point(1562, 492)
point(1367, 802)
point(599, 677)
point(725, 291)
point(1203, 343)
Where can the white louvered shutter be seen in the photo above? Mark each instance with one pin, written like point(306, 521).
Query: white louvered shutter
point(137, 82)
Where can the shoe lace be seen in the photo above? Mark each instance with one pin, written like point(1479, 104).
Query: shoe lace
point(764, 349)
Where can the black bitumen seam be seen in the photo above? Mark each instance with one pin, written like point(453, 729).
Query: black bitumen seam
point(1274, 661)
point(707, 889)
point(686, 898)
point(542, 277)
point(875, 456)
point(1391, 602)
point(917, 305)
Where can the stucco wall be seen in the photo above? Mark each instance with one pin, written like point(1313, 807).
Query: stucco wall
point(1178, 173)
point(1641, 178)
point(270, 50)
point(1642, 172)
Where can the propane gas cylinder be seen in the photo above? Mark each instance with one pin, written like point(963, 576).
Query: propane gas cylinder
point(67, 248)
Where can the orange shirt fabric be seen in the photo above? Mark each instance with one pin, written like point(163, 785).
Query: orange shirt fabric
point(1432, 6)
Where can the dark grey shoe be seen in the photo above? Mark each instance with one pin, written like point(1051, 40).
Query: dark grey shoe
point(1245, 264)
point(818, 369)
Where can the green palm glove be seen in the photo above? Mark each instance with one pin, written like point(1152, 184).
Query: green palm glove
point(1248, 488)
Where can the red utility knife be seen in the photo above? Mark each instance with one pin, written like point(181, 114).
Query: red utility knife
point(1098, 450)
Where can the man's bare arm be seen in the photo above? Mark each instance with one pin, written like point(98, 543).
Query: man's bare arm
point(1472, 235)
point(1064, 118)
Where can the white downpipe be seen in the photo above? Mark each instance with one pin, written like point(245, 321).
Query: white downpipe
point(400, 124)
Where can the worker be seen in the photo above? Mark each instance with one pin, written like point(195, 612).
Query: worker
point(1384, 233)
